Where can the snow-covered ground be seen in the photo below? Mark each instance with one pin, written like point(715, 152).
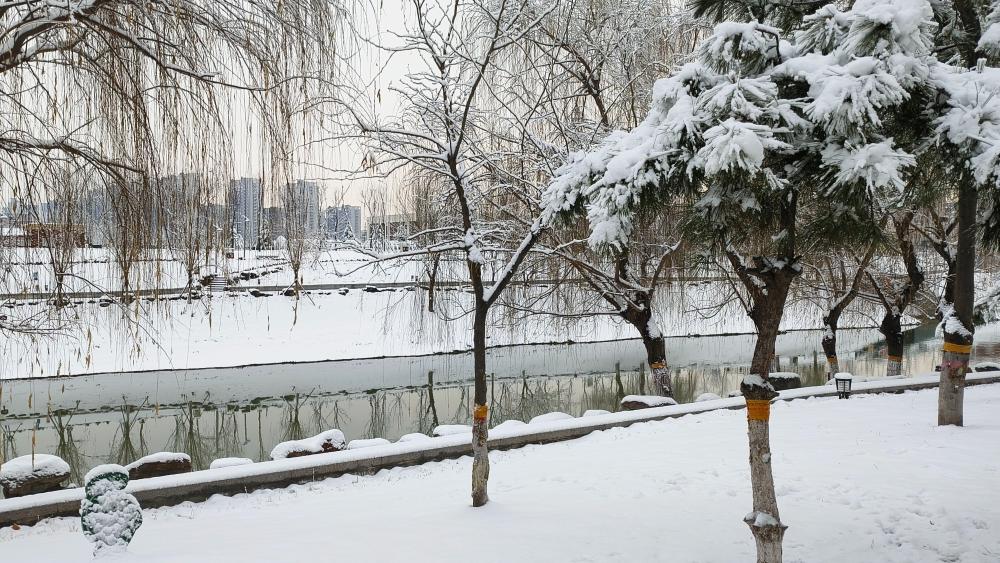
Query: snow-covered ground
point(878, 481)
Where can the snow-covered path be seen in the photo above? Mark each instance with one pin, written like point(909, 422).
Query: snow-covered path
point(870, 479)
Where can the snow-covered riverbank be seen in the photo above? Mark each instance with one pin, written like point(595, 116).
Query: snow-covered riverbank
point(240, 330)
point(664, 491)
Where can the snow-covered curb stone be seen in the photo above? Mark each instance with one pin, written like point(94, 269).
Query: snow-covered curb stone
point(170, 490)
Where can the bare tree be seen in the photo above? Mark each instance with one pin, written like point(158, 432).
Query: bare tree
point(837, 280)
point(897, 292)
point(446, 132)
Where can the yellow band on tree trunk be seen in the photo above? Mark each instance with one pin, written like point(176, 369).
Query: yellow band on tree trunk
point(895, 358)
point(657, 365)
point(758, 409)
point(957, 348)
point(480, 413)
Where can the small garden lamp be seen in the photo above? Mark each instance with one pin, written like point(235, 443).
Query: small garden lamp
point(843, 381)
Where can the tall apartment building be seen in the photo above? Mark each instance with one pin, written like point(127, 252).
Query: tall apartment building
point(245, 206)
point(302, 209)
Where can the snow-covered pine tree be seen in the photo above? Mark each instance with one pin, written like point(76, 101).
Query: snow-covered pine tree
point(109, 516)
point(780, 142)
point(968, 126)
point(869, 97)
point(721, 135)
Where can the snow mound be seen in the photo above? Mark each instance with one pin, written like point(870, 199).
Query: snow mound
point(707, 397)
point(367, 443)
point(986, 366)
point(452, 429)
point(324, 442)
point(31, 466)
point(509, 424)
point(230, 462)
point(548, 417)
point(159, 457)
point(414, 437)
point(595, 412)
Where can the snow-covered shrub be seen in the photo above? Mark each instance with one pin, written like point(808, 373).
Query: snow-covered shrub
point(109, 516)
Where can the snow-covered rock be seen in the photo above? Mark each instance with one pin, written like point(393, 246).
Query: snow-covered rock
point(324, 442)
point(636, 402)
point(986, 366)
point(159, 464)
point(229, 462)
point(707, 397)
point(452, 429)
point(782, 380)
point(367, 443)
point(595, 412)
point(548, 417)
point(30, 474)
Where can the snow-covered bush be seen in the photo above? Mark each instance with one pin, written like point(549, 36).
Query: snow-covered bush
point(109, 516)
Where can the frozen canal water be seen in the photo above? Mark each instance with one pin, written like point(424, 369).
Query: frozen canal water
point(244, 412)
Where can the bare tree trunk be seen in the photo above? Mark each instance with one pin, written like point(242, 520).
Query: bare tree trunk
point(830, 345)
point(958, 327)
point(765, 522)
point(656, 356)
point(430, 397)
point(480, 453)
point(431, 282)
point(891, 328)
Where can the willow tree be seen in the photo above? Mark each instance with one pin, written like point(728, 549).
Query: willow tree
point(120, 93)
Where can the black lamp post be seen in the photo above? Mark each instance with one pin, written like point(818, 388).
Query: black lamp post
point(843, 381)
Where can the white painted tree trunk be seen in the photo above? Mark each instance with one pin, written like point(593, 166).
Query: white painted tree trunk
point(480, 458)
point(951, 391)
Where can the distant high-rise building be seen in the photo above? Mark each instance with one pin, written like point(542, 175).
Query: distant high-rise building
point(343, 222)
point(245, 201)
point(302, 207)
point(95, 211)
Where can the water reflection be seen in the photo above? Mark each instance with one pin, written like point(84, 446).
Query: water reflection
point(209, 424)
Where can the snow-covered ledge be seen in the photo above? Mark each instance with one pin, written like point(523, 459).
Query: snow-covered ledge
point(199, 485)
